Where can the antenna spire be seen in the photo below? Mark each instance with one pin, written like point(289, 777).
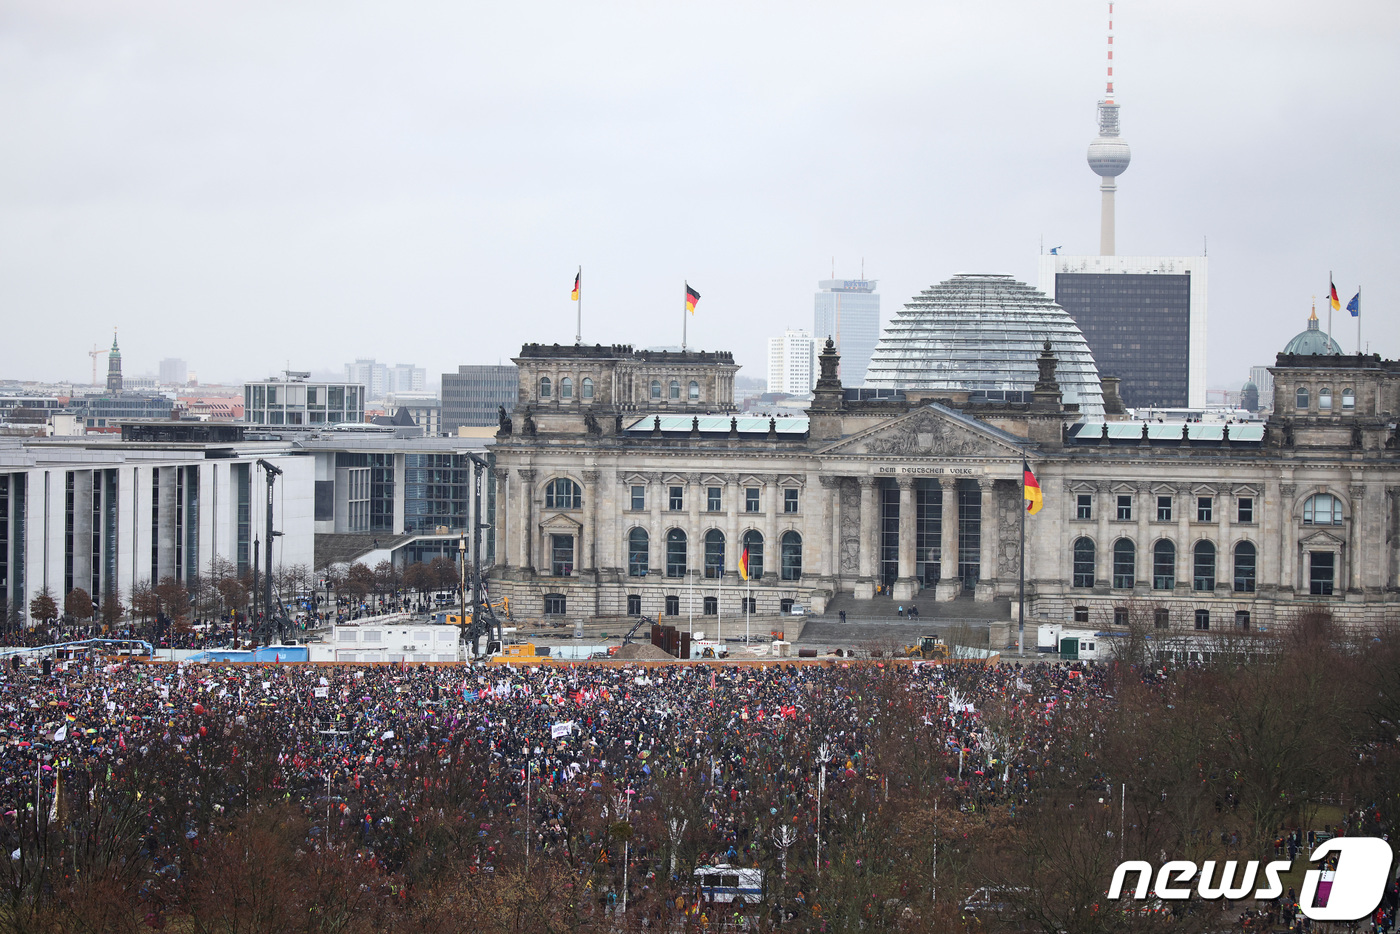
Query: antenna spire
point(1110, 52)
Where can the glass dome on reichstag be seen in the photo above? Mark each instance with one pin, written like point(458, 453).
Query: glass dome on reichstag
point(983, 333)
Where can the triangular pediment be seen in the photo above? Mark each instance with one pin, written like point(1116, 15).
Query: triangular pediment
point(1321, 539)
point(931, 431)
point(561, 523)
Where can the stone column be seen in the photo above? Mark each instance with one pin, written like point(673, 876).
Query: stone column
point(905, 586)
point(656, 493)
point(733, 498)
point(771, 552)
point(991, 542)
point(1356, 549)
point(1185, 547)
point(828, 526)
point(526, 514)
point(949, 584)
point(1104, 500)
point(1225, 545)
point(1144, 504)
point(587, 557)
point(1287, 541)
point(865, 583)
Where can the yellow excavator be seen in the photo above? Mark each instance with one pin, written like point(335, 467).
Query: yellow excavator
point(930, 647)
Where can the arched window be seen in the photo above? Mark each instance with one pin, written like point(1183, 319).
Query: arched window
point(753, 547)
point(562, 493)
point(1203, 565)
point(1324, 399)
point(1163, 565)
point(544, 387)
point(1348, 400)
point(1301, 399)
point(656, 389)
point(1244, 567)
point(694, 391)
point(1322, 509)
point(638, 553)
point(791, 544)
point(714, 553)
point(566, 388)
point(675, 553)
point(587, 389)
point(676, 389)
point(1083, 562)
point(1124, 564)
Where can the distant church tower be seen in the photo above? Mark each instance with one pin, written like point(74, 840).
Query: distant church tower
point(114, 367)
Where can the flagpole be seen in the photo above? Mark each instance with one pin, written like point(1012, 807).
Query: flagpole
point(1358, 320)
point(685, 297)
point(1330, 289)
point(578, 333)
point(1021, 602)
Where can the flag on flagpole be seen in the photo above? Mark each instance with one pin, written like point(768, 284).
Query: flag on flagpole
point(1354, 306)
point(692, 297)
point(1332, 296)
point(1031, 491)
point(578, 279)
point(744, 563)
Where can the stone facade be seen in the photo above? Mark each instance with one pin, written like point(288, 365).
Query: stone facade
point(606, 510)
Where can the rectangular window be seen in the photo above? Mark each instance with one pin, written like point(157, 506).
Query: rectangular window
point(677, 498)
point(1322, 573)
point(1081, 614)
point(634, 604)
point(1120, 617)
point(710, 607)
point(749, 604)
point(1242, 620)
point(789, 501)
point(639, 497)
point(1204, 508)
point(1125, 508)
point(713, 500)
point(751, 499)
point(1084, 506)
point(673, 605)
point(1203, 619)
point(1161, 618)
point(563, 555)
point(554, 604)
point(1246, 510)
point(785, 605)
point(1164, 509)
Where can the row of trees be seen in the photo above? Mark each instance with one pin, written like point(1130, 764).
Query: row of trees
point(222, 591)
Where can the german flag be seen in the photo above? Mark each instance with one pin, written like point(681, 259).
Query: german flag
point(1031, 491)
point(692, 297)
point(1332, 290)
point(577, 279)
point(744, 563)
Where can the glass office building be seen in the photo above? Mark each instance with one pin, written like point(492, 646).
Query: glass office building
point(848, 312)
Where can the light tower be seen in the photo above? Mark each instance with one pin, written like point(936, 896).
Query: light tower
point(1108, 155)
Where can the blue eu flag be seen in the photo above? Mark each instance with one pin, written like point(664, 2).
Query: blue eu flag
point(1354, 306)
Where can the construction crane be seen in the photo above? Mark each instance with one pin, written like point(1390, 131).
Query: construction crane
point(94, 353)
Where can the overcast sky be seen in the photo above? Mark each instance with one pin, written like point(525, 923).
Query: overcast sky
point(247, 184)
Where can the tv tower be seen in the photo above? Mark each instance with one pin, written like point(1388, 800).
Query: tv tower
point(1108, 155)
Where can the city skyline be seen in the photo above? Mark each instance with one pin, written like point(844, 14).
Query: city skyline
point(150, 184)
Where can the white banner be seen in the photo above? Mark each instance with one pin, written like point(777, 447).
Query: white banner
point(561, 729)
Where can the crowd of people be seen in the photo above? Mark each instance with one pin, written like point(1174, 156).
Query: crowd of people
point(543, 759)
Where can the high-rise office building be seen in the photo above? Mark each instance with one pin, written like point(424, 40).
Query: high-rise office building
point(792, 363)
point(174, 372)
point(848, 312)
point(1144, 318)
point(472, 397)
point(379, 379)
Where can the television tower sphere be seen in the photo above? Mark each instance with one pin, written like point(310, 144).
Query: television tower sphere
point(1109, 156)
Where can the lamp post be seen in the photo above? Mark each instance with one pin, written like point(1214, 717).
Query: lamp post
point(622, 809)
point(823, 753)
